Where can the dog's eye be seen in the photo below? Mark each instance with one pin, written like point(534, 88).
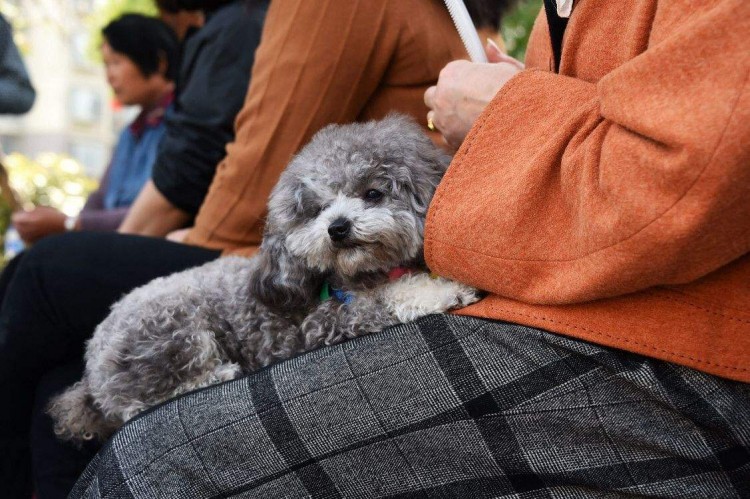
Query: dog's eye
point(373, 195)
point(308, 210)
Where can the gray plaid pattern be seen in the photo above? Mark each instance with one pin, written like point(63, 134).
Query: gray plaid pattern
point(444, 407)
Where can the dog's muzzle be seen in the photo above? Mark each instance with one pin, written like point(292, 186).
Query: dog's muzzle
point(339, 230)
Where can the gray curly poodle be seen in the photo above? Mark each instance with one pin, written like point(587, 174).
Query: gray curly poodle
point(346, 217)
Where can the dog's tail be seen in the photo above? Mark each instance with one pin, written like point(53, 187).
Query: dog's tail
point(76, 417)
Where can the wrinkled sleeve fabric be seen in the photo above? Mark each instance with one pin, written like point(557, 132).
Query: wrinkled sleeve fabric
point(314, 66)
point(94, 217)
point(16, 91)
point(568, 191)
point(103, 220)
point(202, 123)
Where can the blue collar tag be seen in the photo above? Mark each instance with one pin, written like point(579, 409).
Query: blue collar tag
point(339, 295)
point(343, 296)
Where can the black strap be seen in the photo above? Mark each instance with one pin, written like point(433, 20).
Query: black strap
point(557, 27)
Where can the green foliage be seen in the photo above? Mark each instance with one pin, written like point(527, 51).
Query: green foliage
point(517, 27)
point(49, 180)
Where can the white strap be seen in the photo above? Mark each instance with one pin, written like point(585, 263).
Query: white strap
point(466, 30)
point(564, 8)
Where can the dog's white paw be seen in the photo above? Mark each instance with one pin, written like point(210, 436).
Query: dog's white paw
point(465, 295)
point(414, 296)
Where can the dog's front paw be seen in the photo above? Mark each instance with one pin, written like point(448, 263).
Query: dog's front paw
point(465, 295)
point(415, 296)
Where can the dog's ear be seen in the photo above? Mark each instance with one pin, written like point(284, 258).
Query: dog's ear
point(281, 280)
point(424, 163)
point(428, 165)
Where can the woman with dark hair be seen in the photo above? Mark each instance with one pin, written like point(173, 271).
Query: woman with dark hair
point(140, 57)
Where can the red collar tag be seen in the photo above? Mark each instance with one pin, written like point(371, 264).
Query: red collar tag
point(398, 272)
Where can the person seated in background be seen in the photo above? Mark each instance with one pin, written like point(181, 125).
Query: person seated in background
point(306, 81)
point(601, 196)
point(211, 87)
point(140, 57)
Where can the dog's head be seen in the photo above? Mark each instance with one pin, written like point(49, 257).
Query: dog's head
point(352, 203)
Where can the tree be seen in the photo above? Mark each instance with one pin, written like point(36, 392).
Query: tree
point(517, 27)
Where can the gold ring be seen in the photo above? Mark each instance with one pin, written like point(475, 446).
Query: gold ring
point(430, 124)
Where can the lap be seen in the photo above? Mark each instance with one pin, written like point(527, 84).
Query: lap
point(52, 299)
point(64, 286)
point(451, 406)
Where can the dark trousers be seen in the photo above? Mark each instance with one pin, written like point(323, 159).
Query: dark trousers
point(53, 296)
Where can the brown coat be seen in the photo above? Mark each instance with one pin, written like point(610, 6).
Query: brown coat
point(320, 62)
point(611, 202)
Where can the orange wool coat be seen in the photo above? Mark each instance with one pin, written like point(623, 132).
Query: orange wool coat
point(611, 202)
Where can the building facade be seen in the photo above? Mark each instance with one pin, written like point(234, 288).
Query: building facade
point(74, 112)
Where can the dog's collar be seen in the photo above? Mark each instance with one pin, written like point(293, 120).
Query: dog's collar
point(399, 272)
point(328, 292)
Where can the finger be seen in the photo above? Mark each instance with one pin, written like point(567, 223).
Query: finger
point(429, 97)
point(449, 145)
point(494, 54)
point(512, 61)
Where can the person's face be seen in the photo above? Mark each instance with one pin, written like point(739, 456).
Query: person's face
point(127, 81)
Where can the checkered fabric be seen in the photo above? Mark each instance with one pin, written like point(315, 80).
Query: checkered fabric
point(444, 407)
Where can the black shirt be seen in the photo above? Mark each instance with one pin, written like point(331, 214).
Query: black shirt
point(211, 87)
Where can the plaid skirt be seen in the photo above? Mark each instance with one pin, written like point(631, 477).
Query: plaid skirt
point(444, 407)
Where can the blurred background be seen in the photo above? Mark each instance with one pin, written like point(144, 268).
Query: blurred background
point(54, 152)
point(74, 113)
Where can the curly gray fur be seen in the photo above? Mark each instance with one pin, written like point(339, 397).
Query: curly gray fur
point(235, 315)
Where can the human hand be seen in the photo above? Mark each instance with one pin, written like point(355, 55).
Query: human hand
point(37, 223)
point(463, 91)
point(178, 236)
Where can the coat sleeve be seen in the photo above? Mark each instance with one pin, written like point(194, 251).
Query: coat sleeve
point(103, 220)
point(568, 191)
point(314, 66)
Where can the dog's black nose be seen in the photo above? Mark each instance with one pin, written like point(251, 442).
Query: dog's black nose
point(339, 229)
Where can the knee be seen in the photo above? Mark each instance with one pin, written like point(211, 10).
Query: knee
point(19, 273)
point(25, 295)
point(50, 248)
